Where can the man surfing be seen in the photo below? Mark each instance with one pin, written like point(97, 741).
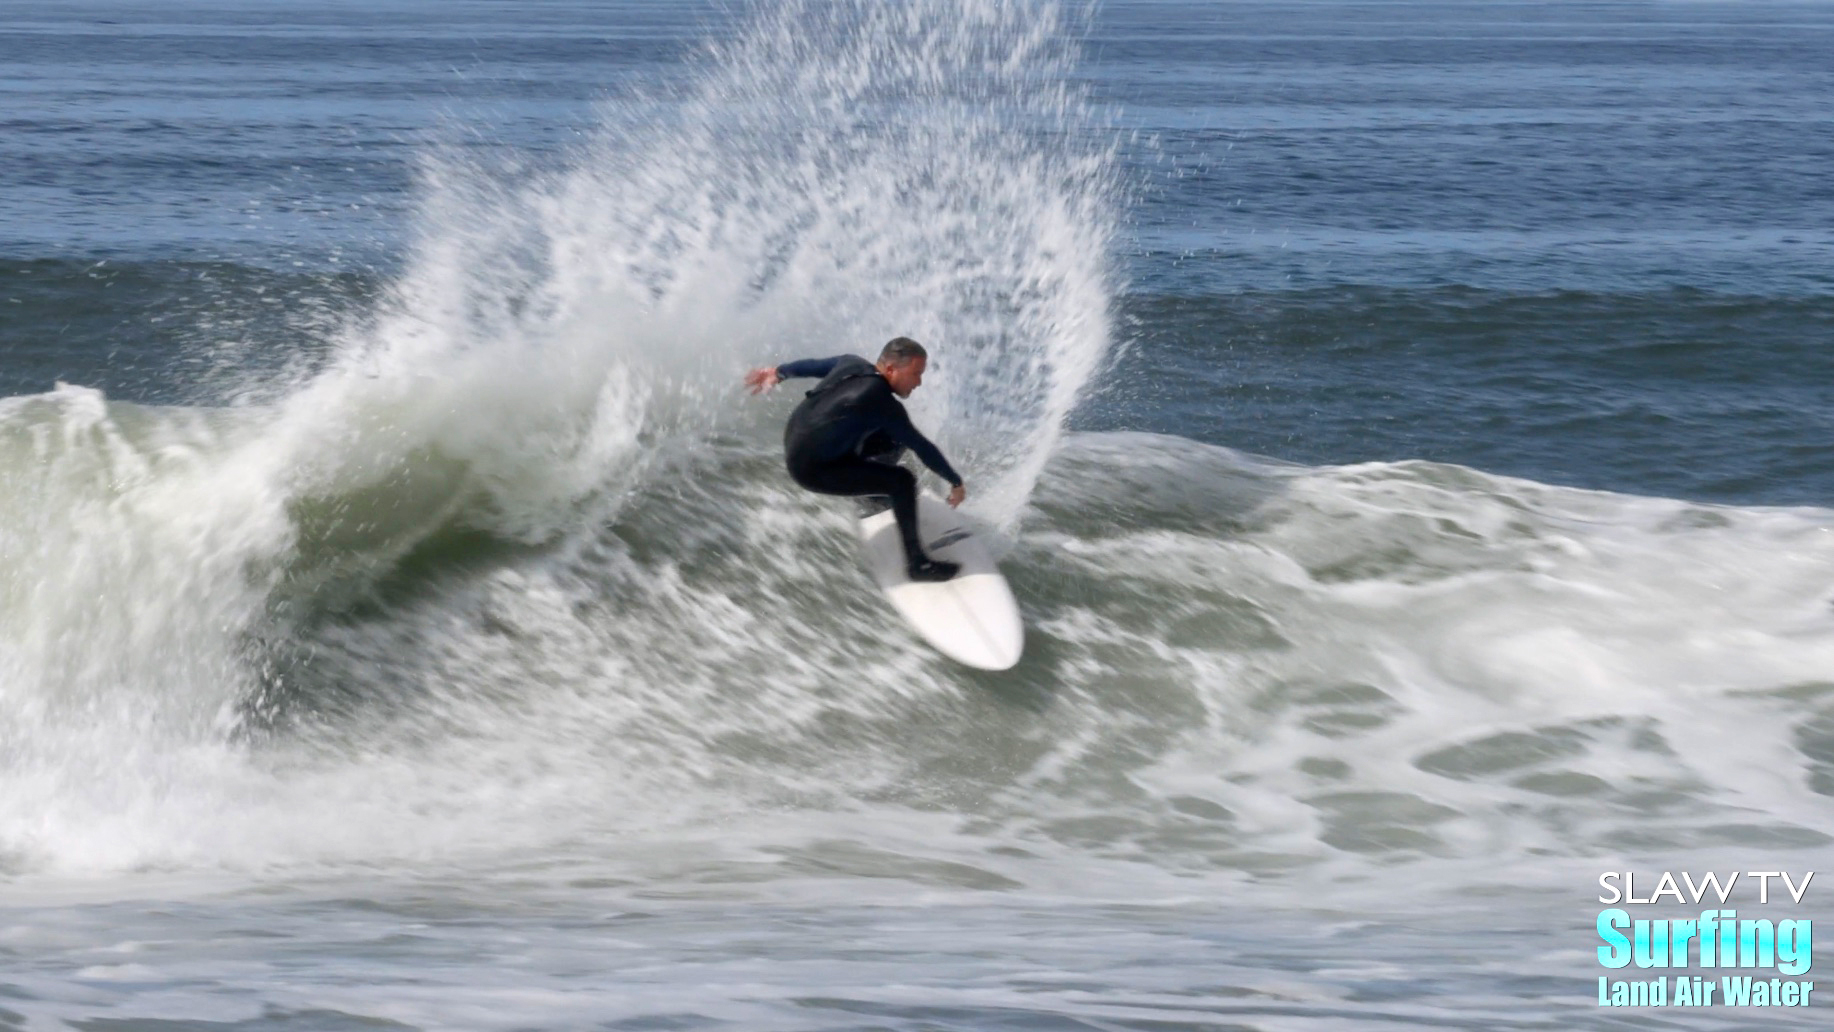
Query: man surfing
point(846, 435)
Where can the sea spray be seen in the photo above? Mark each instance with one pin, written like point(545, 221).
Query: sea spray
point(559, 345)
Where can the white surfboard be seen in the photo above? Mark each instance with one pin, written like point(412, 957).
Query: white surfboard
point(971, 618)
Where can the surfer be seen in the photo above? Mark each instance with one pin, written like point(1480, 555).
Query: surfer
point(847, 434)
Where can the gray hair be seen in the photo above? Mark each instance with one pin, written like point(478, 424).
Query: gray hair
point(900, 350)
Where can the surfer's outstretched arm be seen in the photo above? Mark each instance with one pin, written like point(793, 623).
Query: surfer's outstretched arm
point(760, 380)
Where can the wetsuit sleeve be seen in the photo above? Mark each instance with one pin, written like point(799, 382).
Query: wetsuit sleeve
point(897, 426)
point(814, 368)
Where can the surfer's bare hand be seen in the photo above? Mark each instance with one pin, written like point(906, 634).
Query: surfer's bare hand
point(956, 494)
point(761, 380)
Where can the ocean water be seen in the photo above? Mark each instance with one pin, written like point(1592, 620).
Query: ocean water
point(1405, 426)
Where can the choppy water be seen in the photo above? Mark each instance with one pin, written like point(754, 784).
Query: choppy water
point(1405, 426)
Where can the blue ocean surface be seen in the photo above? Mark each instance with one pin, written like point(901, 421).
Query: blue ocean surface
point(1406, 427)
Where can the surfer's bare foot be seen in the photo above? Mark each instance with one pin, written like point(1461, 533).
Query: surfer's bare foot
point(933, 570)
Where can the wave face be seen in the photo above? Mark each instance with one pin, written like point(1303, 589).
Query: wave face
point(1234, 668)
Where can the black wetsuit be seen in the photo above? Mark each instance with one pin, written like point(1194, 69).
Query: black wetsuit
point(845, 437)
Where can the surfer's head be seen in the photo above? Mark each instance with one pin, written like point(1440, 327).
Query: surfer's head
point(902, 362)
